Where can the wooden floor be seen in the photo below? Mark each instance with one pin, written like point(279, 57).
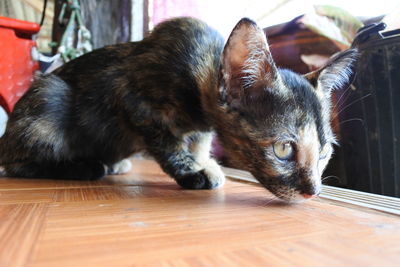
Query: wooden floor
point(145, 218)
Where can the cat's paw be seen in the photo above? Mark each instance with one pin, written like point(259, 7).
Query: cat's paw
point(208, 178)
point(120, 167)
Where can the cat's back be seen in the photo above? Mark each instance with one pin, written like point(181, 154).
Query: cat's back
point(173, 66)
point(163, 75)
point(185, 47)
point(184, 37)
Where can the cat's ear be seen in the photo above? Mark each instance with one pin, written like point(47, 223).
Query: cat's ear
point(247, 66)
point(337, 74)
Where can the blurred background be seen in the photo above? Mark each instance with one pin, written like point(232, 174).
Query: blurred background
point(222, 14)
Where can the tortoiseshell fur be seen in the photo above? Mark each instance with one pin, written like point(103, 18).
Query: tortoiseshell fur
point(167, 95)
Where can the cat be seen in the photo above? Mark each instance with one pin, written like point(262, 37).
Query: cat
point(167, 95)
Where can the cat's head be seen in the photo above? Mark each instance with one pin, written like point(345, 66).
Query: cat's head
point(276, 123)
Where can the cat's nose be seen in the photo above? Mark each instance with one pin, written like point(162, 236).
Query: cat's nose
point(309, 191)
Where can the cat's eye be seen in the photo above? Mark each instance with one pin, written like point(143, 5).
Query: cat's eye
point(325, 151)
point(283, 150)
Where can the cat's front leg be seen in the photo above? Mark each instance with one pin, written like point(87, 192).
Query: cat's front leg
point(177, 160)
point(200, 144)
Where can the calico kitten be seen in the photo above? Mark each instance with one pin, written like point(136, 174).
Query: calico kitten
point(167, 95)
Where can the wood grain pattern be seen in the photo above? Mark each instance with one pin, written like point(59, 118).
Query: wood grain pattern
point(144, 218)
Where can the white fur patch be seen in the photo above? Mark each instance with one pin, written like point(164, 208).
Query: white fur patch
point(201, 148)
point(309, 153)
point(3, 121)
point(122, 167)
point(214, 173)
point(308, 144)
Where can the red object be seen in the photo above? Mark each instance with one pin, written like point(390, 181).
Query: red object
point(16, 63)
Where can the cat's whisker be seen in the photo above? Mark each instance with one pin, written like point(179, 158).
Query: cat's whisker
point(338, 103)
point(344, 100)
point(317, 198)
point(350, 104)
point(328, 177)
point(353, 119)
point(274, 198)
